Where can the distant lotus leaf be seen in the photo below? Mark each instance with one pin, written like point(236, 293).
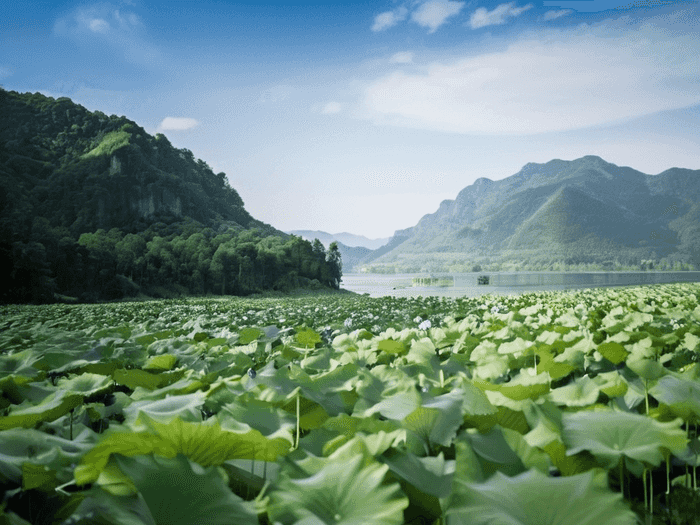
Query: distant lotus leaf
point(532, 498)
point(182, 406)
point(160, 362)
point(85, 384)
point(514, 347)
point(135, 377)
point(680, 395)
point(342, 492)
point(179, 492)
point(610, 435)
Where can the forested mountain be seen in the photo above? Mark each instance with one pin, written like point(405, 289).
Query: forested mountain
point(93, 207)
point(585, 213)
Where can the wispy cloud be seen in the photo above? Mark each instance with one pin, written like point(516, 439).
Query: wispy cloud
point(110, 25)
point(389, 19)
point(275, 94)
point(482, 17)
point(332, 108)
point(554, 81)
point(403, 57)
point(4, 72)
point(434, 13)
point(554, 14)
point(177, 124)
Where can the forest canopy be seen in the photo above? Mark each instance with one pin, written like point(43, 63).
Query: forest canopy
point(92, 207)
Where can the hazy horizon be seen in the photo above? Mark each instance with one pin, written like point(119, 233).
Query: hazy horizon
point(362, 118)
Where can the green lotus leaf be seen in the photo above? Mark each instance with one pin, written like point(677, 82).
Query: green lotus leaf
point(307, 338)
point(437, 420)
point(51, 408)
point(392, 347)
point(183, 406)
point(248, 335)
point(179, 492)
point(613, 352)
point(85, 384)
point(341, 492)
point(580, 393)
point(207, 444)
point(610, 435)
point(612, 384)
point(26, 452)
point(646, 368)
point(160, 362)
point(431, 475)
point(532, 498)
point(19, 364)
point(494, 453)
point(682, 396)
point(516, 346)
point(135, 377)
point(545, 422)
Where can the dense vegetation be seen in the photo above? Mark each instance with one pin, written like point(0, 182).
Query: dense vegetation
point(92, 207)
point(540, 409)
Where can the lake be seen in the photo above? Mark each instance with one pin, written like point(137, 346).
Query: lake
point(504, 283)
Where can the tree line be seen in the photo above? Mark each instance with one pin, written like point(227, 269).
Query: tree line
point(163, 260)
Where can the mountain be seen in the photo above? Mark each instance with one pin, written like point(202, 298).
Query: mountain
point(92, 208)
point(355, 250)
point(585, 211)
point(348, 239)
point(91, 171)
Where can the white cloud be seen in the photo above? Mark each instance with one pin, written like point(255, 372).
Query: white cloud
point(434, 13)
point(331, 108)
point(552, 14)
point(557, 80)
point(5, 72)
point(177, 123)
point(97, 25)
point(389, 19)
point(403, 57)
point(483, 17)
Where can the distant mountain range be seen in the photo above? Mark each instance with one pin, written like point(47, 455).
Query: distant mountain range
point(354, 249)
point(581, 211)
point(348, 239)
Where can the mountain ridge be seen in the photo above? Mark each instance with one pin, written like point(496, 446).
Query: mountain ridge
point(491, 220)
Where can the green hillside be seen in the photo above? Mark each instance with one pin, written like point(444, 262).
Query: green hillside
point(93, 207)
point(585, 214)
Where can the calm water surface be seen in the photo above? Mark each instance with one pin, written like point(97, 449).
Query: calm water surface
point(505, 283)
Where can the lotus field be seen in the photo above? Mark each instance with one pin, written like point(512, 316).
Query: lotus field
point(550, 408)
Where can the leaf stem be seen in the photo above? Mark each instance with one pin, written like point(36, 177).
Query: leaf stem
point(296, 446)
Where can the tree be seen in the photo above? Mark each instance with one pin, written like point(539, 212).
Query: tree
point(335, 265)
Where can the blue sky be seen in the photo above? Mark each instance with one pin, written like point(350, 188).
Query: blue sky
point(364, 116)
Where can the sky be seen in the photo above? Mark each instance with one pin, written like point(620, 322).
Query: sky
point(362, 117)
